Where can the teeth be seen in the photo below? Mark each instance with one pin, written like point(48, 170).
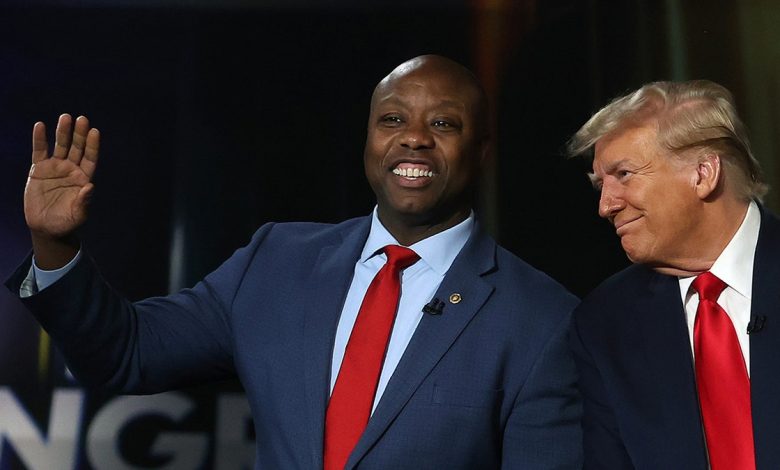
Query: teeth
point(412, 173)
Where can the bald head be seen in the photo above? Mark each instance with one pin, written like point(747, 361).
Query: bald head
point(435, 68)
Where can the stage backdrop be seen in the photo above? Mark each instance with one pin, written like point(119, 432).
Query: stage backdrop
point(217, 117)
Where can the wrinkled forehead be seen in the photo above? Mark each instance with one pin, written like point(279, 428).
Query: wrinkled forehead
point(636, 145)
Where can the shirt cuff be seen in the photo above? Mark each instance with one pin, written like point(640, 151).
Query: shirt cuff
point(44, 278)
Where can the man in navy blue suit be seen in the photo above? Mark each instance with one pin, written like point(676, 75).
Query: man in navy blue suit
point(678, 353)
point(476, 373)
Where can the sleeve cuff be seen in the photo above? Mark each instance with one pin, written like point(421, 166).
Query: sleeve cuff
point(44, 278)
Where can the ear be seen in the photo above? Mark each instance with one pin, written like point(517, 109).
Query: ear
point(708, 171)
point(485, 149)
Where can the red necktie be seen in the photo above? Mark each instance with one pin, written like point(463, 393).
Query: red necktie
point(353, 395)
point(722, 381)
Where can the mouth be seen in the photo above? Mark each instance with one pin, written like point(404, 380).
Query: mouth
point(622, 226)
point(413, 171)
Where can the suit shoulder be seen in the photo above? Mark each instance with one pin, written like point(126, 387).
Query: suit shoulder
point(531, 284)
point(770, 225)
point(613, 300)
point(527, 306)
point(302, 234)
point(623, 284)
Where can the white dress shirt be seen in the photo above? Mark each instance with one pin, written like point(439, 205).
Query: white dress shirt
point(734, 266)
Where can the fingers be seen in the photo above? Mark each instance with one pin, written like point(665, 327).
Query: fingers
point(79, 140)
point(91, 150)
point(81, 147)
point(62, 137)
point(40, 147)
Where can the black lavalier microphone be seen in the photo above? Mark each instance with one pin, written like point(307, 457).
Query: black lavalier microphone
point(756, 324)
point(434, 307)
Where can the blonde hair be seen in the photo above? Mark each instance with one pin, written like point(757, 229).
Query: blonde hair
point(697, 114)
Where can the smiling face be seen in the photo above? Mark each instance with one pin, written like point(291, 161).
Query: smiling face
point(649, 196)
point(425, 144)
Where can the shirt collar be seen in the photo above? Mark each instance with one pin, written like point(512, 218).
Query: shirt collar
point(437, 251)
point(734, 265)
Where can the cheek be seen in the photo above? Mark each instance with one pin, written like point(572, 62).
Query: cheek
point(462, 170)
point(372, 170)
point(672, 220)
point(371, 154)
point(373, 158)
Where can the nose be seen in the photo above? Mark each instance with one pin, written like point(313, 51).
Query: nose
point(417, 137)
point(610, 202)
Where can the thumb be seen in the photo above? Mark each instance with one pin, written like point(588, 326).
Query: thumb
point(84, 195)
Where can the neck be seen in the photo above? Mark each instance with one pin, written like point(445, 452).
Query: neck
point(716, 227)
point(671, 271)
point(410, 230)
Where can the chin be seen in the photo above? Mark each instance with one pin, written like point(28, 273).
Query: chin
point(633, 255)
point(413, 206)
point(644, 258)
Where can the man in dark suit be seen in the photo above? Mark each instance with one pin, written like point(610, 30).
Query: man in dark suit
point(678, 353)
point(476, 372)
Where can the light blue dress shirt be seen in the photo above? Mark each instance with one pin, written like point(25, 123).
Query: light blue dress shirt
point(43, 278)
point(419, 283)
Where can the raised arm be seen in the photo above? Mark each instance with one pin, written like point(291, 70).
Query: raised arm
point(58, 189)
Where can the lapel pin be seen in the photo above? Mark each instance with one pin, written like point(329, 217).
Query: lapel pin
point(455, 298)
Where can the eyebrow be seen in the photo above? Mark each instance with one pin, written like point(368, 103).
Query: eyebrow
point(614, 165)
point(596, 180)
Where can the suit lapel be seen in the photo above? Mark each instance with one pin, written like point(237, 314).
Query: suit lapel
point(765, 344)
point(669, 382)
point(433, 336)
point(329, 282)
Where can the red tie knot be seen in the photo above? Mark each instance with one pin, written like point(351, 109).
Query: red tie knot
point(400, 256)
point(708, 286)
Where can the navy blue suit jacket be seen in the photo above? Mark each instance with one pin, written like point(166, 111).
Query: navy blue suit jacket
point(488, 383)
point(631, 343)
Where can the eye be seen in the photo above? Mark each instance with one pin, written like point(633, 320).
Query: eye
point(623, 174)
point(595, 181)
point(391, 120)
point(445, 125)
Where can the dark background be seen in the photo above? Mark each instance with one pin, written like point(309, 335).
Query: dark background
point(219, 116)
point(218, 119)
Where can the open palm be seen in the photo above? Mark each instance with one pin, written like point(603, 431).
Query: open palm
point(58, 186)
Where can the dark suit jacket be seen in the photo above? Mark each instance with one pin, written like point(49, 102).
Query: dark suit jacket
point(633, 351)
point(489, 382)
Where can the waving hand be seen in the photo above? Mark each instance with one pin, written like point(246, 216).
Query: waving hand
point(58, 188)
